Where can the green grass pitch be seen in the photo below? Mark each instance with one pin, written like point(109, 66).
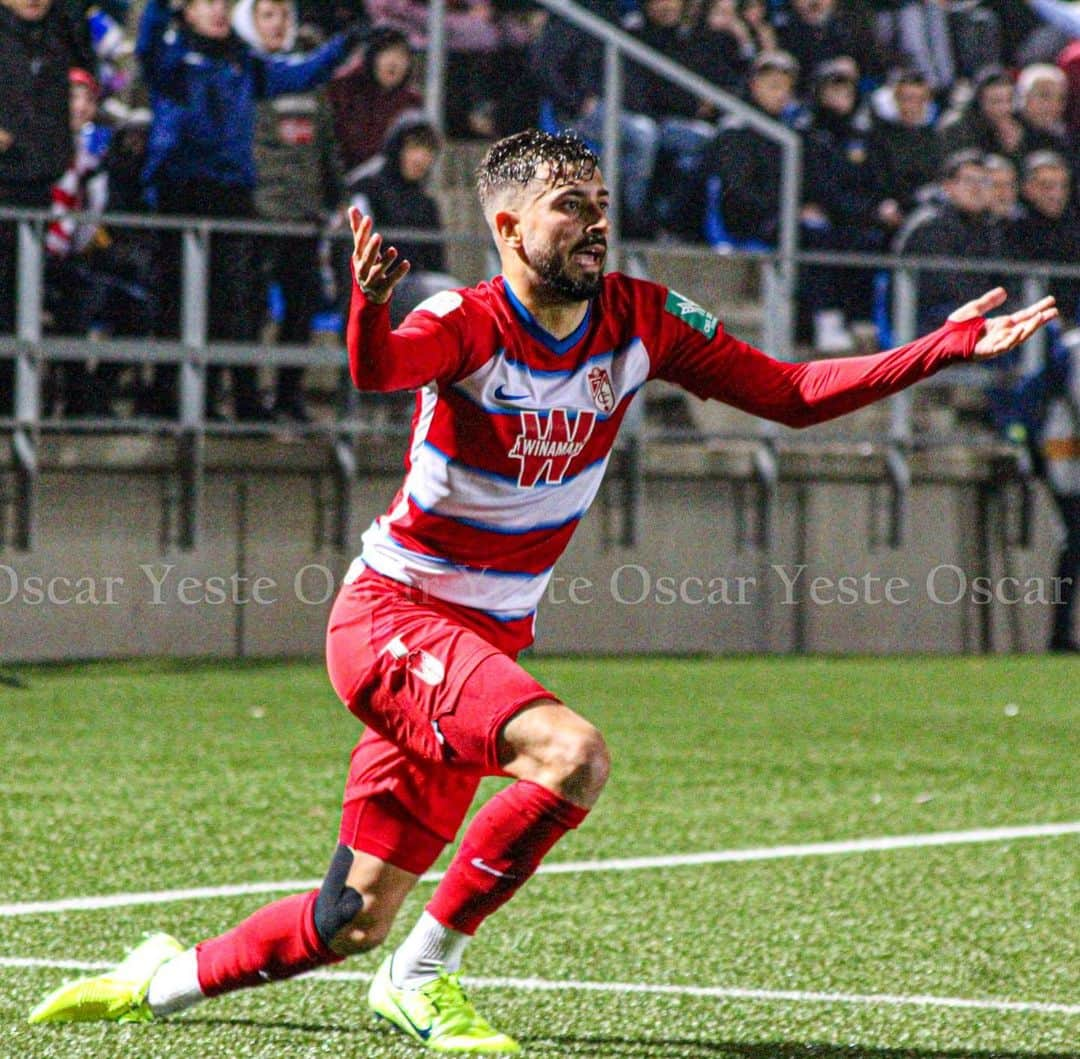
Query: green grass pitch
point(155, 776)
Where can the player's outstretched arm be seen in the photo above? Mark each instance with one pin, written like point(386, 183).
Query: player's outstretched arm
point(377, 272)
point(1002, 333)
point(802, 394)
point(427, 346)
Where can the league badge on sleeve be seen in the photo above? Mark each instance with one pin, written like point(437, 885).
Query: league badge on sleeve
point(691, 313)
point(600, 387)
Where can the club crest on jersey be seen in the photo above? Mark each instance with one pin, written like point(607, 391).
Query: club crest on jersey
point(545, 447)
point(600, 387)
point(688, 310)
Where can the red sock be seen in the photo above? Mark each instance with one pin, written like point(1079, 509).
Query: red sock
point(502, 848)
point(278, 941)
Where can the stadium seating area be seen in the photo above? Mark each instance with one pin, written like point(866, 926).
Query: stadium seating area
point(928, 128)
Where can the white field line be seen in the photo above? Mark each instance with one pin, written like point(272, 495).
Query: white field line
point(790, 996)
point(680, 860)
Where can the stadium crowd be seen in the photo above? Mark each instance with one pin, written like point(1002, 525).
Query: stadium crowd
point(930, 126)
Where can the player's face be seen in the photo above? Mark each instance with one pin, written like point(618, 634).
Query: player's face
point(565, 231)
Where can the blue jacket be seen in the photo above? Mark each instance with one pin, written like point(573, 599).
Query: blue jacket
point(203, 93)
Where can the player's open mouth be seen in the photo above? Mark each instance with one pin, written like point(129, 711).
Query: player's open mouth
point(590, 255)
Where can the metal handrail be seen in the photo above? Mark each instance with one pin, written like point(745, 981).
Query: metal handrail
point(619, 44)
point(193, 352)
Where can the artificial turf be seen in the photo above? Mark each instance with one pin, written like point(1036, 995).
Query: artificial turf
point(156, 776)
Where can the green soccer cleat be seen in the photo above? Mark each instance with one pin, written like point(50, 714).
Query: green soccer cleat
point(438, 1015)
point(118, 995)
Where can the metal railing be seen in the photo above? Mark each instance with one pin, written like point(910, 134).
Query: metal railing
point(193, 351)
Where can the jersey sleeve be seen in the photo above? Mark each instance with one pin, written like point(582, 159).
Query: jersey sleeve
point(429, 346)
point(697, 354)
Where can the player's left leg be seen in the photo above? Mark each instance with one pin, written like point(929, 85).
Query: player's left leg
point(351, 912)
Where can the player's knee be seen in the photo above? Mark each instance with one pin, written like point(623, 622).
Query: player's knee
point(578, 762)
point(367, 930)
point(338, 904)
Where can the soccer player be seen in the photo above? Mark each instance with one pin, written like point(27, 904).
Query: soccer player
point(521, 385)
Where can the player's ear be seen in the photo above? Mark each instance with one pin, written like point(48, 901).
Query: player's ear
point(508, 227)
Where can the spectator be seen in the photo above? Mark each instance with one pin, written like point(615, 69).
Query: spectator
point(569, 65)
point(517, 89)
point(370, 94)
point(204, 83)
point(324, 18)
point(474, 34)
point(958, 226)
point(724, 46)
point(1069, 63)
point(748, 165)
point(680, 131)
point(299, 179)
point(1042, 410)
point(1060, 441)
point(1041, 94)
point(77, 274)
point(755, 14)
point(986, 122)
point(903, 149)
point(1004, 194)
point(395, 196)
point(649, 93)
point(947, 41)
point(1058, 23)
point(842, 207)
point(814, 31)
point(1050, 230)
point(38, 45)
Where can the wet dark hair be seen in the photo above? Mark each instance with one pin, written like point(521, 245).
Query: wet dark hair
point(514, 161)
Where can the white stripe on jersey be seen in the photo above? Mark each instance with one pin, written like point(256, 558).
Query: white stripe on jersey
point(429, 398)
point(503, 385)
point(504, 596)
point(445, 487)
point(454, 487)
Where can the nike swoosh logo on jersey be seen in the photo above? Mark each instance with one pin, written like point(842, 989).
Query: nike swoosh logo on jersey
point(502, 395)
point(477, 862)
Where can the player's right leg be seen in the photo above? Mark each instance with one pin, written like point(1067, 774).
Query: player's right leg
point(351, 912)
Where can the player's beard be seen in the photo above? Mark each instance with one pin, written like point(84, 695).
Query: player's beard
point(558, 276)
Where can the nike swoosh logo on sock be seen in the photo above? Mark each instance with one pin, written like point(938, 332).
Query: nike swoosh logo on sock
point(477, 862)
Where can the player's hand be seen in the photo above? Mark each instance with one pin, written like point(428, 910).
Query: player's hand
point(377, 271)
point(6, 140)
point(1003, 333)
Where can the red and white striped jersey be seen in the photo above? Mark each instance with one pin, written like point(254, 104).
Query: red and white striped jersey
point(513, 428)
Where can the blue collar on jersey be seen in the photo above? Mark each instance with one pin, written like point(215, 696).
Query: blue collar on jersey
point(556, 345)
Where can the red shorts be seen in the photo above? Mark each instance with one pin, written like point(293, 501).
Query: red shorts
point(434, 692)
